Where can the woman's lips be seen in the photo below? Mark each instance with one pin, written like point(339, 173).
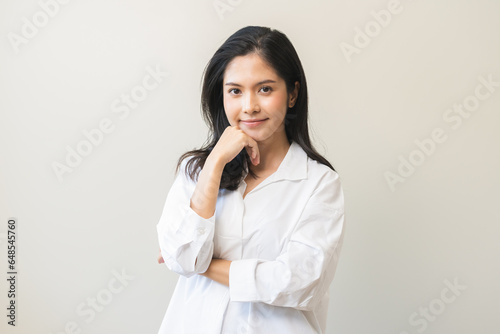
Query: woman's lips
point(253, 123)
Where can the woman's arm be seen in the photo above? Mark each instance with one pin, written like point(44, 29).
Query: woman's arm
point(185, 237)
point(218, 271)
point(207, 188)
point(186, 228)
point(300, 276)
point(204, 198)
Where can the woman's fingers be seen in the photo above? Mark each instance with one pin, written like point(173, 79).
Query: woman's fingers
point(253, 152)
point(160, 258)
point(250, 145)
point(232, 141)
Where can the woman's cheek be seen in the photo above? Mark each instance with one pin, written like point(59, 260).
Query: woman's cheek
point(231, 112)
point(276, 107)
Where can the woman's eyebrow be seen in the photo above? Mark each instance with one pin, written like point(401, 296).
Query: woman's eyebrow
point(257, 84)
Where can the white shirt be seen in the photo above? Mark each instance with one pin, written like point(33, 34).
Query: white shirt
point(284, 239)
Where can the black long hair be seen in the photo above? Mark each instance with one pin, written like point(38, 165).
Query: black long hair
point(278, 52)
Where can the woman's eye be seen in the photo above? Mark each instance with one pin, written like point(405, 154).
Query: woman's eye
point(266, 89)
point(234, 91)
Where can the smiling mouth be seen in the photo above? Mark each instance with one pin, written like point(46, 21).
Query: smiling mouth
point(253, 120)
point(253, 123)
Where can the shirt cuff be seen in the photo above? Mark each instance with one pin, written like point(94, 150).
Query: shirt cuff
point(242, 287)
point(184, 238)
point(199, 227)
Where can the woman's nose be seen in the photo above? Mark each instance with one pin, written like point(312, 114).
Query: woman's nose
point(250, 103)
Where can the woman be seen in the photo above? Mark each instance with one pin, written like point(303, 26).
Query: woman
point(254, 220)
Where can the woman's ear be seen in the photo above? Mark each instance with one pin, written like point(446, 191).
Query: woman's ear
point(292, 99)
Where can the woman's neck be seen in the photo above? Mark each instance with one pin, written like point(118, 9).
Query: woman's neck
point(272, 154)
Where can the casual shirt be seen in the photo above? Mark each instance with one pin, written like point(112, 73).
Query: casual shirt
point(283, 238)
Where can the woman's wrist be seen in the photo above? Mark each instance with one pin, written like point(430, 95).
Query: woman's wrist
point(218, 271)
point(214, 162)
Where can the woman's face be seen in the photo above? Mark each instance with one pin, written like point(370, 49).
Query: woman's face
point(255, 98)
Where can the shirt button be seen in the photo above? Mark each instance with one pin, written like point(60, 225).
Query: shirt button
point(201, 230)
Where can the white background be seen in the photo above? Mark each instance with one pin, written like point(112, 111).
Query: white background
point(366, 112)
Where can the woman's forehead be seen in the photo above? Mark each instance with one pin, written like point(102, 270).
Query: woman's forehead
point(249, 68)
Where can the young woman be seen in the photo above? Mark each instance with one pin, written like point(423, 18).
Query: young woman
point(254, 220)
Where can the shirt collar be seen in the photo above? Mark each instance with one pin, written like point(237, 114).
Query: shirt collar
point(294, 165)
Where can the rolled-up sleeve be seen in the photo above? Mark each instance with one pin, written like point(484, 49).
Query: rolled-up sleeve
point(185, 238)
point(301, 275)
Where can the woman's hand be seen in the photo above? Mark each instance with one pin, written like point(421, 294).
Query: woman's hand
point(160, 258)
point(230, 144)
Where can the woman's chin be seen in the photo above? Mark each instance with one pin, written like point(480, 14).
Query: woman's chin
point(253, 134)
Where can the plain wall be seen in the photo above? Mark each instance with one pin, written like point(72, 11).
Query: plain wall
point(401, 106)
